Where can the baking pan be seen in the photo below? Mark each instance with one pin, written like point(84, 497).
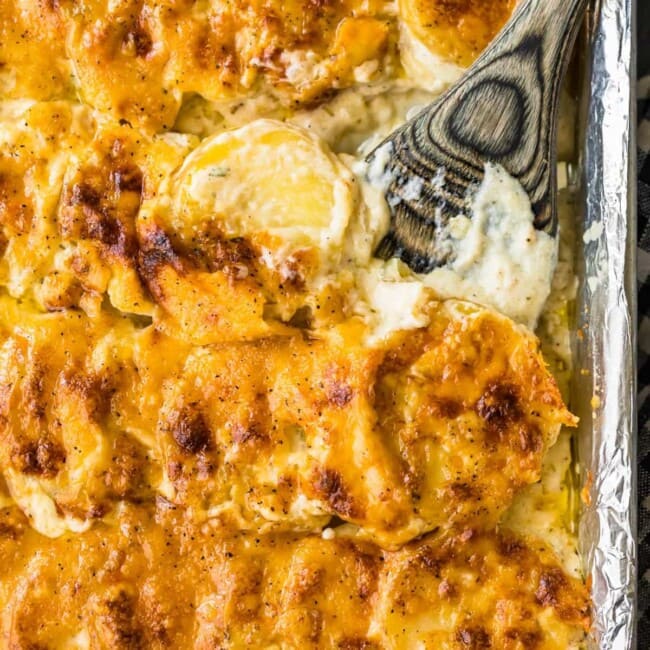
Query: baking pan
point(604, 390)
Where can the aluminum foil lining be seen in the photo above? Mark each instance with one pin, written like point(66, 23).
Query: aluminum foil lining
point(605, 391)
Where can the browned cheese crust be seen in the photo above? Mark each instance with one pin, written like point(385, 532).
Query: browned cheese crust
point(137, 58)
point(73, 232)
point(154, 580)
point(141, 371)
point(437, 428)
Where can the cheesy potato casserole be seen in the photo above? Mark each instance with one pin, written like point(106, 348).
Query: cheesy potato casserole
point(223, 422)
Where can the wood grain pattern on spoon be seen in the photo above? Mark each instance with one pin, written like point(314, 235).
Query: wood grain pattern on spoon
point(504, 111)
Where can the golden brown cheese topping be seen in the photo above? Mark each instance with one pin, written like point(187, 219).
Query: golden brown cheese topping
point(221, 424)
point(33, 61)
point(458, 30)
point(158, 581)
point(438, 427)
point(137, 58)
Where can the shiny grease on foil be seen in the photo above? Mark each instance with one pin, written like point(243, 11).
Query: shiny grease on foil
point(605, 345)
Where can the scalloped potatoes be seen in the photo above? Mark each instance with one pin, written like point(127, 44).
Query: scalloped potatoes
point(222, 422)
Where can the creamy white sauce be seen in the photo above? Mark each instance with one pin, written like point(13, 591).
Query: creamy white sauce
point(501, 259)
point(389, 305)
point(355, 117)
point(302, 67)
point(498, 258)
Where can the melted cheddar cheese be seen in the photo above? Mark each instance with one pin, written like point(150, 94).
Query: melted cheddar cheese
point(440, 427)
point(136, 59)
point(223, 424)
point(111, 588)
point(457, 30)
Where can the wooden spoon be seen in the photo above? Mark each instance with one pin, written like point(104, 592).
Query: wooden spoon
point(503, 110)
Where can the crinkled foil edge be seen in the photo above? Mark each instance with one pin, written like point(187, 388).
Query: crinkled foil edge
point(605, 346)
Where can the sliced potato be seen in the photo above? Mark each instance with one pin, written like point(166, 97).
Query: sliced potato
point(267, 177)
point(456, 30)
